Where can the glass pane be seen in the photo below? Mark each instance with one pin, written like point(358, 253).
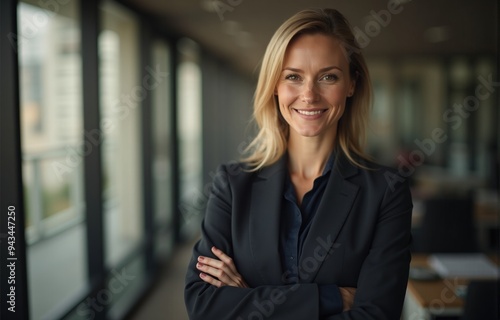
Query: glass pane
point(190, 138)
point(125, 283)
point(52, 149)
point(162, 160)
point(485, 120)
point(162, 152)
point(121, 96)
point(119, 293)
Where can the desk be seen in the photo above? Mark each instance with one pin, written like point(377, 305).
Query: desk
point(427, 299)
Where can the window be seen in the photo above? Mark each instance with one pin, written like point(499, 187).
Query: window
point(190, 135)
point(121, 95)
point(162, 149)
point(52, 151)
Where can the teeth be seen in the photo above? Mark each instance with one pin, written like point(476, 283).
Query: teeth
point(309, 113)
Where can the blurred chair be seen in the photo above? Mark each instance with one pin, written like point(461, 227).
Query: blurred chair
point(482, 300)
point(447, 226)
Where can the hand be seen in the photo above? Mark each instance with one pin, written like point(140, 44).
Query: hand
point(220, 272)
point(347, 297)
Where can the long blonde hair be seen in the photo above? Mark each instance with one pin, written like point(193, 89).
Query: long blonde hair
point(270, 143)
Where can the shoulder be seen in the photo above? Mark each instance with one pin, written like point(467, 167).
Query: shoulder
point(383, 185)
point(381, 175)
point(231, 174)
point(233, 170)
point(373, 168)
point(240, 176)
point(243, 171)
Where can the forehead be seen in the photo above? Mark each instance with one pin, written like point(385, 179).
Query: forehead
point(315, 47)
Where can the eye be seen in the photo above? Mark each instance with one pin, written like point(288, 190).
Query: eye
point(330, 77)
point(292, 76)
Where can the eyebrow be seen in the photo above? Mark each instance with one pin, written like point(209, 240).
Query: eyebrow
point(321, 70)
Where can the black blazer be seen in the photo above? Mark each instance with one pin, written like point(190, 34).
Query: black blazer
point(360, 237)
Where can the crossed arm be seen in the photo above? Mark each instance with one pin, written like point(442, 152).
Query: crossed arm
point(213, 277)
point(222, 272)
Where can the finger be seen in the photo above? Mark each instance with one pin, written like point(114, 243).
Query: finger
point(220, 275)
point(213, 272)
point(217, 264)
point(351, 290)
point(234, 275)
point(347, 294)
point(210, 280)
point(225, 258)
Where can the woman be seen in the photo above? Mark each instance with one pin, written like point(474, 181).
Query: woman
point(306, 227)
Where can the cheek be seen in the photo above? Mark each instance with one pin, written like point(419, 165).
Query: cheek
point(286, 95)
point(337, 97)
point(336, 113)
point(338, 101)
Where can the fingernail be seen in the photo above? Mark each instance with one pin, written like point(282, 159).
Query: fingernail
point(200, 258)
point(202, 275)
point(199, 265)
point(214, 248)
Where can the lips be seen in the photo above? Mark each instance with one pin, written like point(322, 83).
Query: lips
point(310, 112)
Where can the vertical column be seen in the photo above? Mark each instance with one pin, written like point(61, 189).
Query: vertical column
point(92, 161)
point(496, 120)
point(176, 219)
point(13, 285)
point(147, 149)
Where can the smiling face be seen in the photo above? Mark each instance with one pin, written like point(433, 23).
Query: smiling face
point(314, 85)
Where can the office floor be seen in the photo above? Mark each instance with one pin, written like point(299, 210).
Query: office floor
point(166, 299)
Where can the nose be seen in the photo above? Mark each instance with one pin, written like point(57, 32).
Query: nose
point(309, 94)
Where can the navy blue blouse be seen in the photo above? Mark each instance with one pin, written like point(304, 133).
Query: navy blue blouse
point(295, 224)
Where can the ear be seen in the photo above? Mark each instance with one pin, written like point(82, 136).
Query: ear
point(352, 86)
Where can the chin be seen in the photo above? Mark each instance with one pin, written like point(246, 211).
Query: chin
point(308, 133)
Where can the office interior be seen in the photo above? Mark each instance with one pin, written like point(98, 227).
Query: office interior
point(116, 114)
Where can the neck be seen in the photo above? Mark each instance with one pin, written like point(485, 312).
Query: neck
point(307, 156)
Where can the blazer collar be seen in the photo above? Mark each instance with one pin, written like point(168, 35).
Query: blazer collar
point(343, 166)
point(265, 213)
point(333, 210)
point(278, 167)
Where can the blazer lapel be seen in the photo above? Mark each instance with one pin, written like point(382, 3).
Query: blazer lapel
point(332, 213)
point(265, 211)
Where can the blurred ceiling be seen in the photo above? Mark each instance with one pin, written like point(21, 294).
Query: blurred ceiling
point(239, 30)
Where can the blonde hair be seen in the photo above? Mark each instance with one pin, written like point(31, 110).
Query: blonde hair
point(270, 143)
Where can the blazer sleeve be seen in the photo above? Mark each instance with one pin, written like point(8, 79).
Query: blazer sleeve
point(384, 273)
point(207, 302)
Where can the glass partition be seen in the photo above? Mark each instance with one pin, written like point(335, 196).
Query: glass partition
point(121, 92)
point(53, 151)
point(162, 149)
point(190, 135)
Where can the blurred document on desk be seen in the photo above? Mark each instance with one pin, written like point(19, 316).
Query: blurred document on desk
point(464, 265)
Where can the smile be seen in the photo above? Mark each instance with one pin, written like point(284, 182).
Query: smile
point(310, 112)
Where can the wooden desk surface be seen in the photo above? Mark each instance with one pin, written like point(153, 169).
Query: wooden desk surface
point(436, 294)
